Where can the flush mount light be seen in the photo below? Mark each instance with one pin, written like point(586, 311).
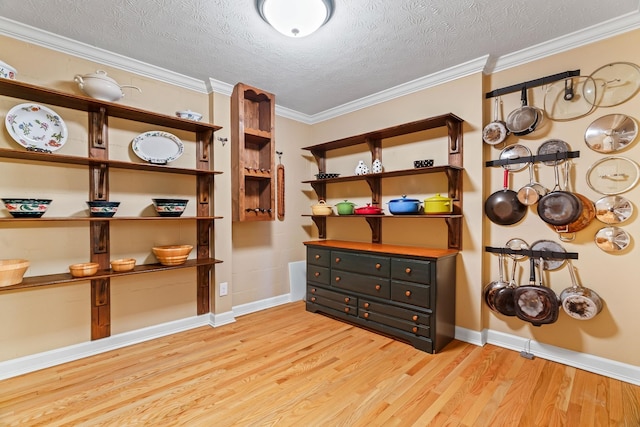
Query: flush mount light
point(295, 18)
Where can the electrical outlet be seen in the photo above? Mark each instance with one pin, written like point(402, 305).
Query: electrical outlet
point(224, 289)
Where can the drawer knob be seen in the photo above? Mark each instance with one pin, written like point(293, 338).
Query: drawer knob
point(378, 287)
point(407, 270)
point(346, 309)
point(313, 290)
point(378, 266)
point(407, 293)
point(347, 299)
point(337, 278)
point(313, 299)
point(317, 256)
point(366, 315)
point(415, 318)
point(366, 305)
point(338, 260)
point(415, 329)
point(317, 274)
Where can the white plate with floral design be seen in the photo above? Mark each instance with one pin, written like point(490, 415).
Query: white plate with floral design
point(157, 147)
point(36, 127)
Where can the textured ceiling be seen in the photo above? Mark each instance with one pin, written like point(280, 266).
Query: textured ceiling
point(368, 46)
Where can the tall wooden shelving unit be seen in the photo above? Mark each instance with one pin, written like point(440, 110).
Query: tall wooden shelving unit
point(100, 168)
point(252, 154)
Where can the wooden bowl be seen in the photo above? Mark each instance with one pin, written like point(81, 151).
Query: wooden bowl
point(171, 250)
point(124, 264)
point(172, 260)
point(12, 271)
point(84, 269)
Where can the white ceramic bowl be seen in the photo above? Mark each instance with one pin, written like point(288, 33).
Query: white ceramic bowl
point(189, 115)
point(7, 71)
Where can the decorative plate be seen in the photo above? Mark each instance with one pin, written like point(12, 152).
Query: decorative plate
point(36, 127)
point(613, 175)
point(157, 147)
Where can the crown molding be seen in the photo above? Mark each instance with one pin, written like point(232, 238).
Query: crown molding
point(435, 79)
point(71, 47)
point(601, 31)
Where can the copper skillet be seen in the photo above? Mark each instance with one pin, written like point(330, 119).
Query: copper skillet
point(567, 232)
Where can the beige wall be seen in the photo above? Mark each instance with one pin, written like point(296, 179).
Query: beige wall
point(256, 255)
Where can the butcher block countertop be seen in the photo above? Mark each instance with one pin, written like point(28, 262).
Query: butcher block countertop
point(384, 248)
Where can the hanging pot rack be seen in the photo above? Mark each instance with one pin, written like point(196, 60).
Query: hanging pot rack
point(531, 253)
point(535, 158)
point(532, 83)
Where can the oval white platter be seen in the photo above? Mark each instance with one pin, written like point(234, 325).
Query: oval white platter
point(157, 147)
point(36, 127)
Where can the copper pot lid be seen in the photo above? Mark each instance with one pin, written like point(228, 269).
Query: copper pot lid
point(613, 209)
point(616, 83)
point(610, 133)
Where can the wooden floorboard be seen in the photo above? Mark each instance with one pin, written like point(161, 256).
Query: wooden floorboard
point(287, 367)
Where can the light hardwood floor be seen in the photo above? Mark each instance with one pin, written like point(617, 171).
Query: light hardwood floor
point(287, 367)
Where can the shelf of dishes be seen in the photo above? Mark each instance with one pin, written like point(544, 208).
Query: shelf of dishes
point(60, 278)
point(23, 208)
point(331, 178)
point(86, 161)
point(26, 91)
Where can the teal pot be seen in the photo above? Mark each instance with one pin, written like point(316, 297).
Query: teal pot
point(345, 208)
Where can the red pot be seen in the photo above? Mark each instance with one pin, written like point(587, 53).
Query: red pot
point(368, 210)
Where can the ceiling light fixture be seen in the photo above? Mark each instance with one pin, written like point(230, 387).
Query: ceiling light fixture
point(295, 18)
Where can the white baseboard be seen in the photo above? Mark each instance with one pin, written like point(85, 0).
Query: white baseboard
point(606, 367)
point(252, 307)
point(22, 365)
point(46, 359)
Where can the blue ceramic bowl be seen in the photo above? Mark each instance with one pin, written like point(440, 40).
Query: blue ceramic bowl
point(26, 208)
point(170, 207)
point(103, 209)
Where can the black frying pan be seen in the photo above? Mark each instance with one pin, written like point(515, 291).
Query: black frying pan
point(503, 206)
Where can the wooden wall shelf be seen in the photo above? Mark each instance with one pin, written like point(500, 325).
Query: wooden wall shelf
point(252, 154)
point(100, 166)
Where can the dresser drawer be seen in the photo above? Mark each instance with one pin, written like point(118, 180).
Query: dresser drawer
point(318, 256)
point(332, 295)
point(411, 270)
point(369, 285)
point(336, 305)
point(406, 314)
point(318, 274)
point(411, 293)
point(371, 265)
point(403, 325)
